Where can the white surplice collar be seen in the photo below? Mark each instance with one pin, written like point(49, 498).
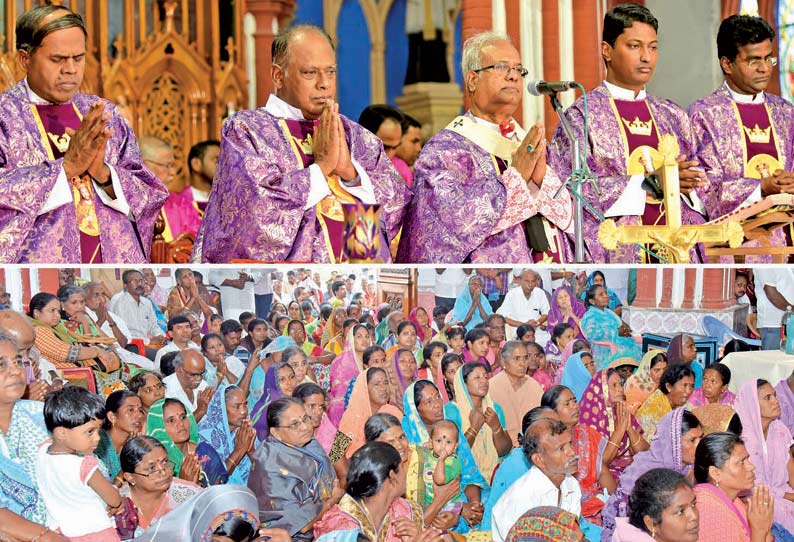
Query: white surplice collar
point(281, 109)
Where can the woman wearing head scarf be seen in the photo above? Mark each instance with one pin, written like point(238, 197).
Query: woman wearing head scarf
point(645, 380)
point(768, 442)
point(603, 408)
point(424, 329)
point(673, 448)
point(546, 524)
point(171, 423)
point(370, 396)
point(320, 359)
point(479, 419)
point(345, 367)
point(227, 430)
point(682, 350)
point(596, 278)
point(405, 370)
point(216, 511)
point(422, 408)
point(471, 306)
point(269, 355)
point(566, 309)
point(579, 370)
point(279, 382)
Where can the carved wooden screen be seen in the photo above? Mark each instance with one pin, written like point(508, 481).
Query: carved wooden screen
point(161, 61)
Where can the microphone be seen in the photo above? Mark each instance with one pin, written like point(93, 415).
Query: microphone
point(539, 88)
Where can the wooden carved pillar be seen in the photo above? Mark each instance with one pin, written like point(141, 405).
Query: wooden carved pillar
point(269, 15)
point(398, 288)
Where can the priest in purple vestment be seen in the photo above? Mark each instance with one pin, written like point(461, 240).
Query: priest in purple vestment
point(482, 191)
point(745, 136)
point(625, 125)
point(73, 187)
point(285, 171)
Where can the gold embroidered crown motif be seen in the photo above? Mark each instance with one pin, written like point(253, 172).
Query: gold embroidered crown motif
point(306, 145)
point(637, 127)
point(60, 142)
point(758, 135)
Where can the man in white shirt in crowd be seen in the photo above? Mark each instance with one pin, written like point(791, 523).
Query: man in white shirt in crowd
point(549, 482)
point(137, 310)
point(112, 325)
point(527, 304)
point(187, 383)
point(181, 332)
point(237, 290)
point(450, 282)
point(774, 291)
point(236, 355)
point(263, 294)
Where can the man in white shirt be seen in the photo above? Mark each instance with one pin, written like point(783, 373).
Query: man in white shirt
point(526, 305)
point(237, 290)
point(187, 383)
point(774, 291)
point(263, 294)
point(112, 325)
point(549, 482)
point(135, 309)
point(181, 331)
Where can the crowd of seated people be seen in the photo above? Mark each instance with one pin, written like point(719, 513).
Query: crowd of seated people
point(337, 421)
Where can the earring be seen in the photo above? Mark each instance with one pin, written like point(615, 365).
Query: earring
point(653, 532)
point(716, 483)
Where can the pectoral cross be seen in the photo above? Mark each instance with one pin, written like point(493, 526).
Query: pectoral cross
point(677, 240)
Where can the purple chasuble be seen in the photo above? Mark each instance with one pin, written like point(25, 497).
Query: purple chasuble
point(53, 121)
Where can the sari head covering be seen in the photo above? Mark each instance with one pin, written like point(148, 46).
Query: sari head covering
point(575, 376)
point(483, 448)
point(675, 357)
point(257, 387)
point(358, 411)
point(714, 417)
point(214, 430)
point(555, 314)
point(344, 368)
point(463, 304)
point(382, 329)
point(198, 518)
point(640, 385)
point(412, 316)
point(545, 524)
point(398, 392)
point(271, 393)
point(155, 427)
point(417, 434)
point(614, 300)
point(769, 454)
point(665, 452)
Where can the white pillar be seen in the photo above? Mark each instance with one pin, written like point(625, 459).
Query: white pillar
point(531, 27)
point(565, 18)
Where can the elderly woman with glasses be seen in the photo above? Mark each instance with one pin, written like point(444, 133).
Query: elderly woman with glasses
point(150, 490)
point(292, 476)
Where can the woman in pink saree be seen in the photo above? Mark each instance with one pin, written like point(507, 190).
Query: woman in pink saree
point(345, 367)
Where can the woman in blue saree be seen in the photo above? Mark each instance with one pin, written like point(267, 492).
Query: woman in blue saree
point(422, 407)
point(596, 278)
point(471, 306)
point(601, 324)
point(227, 430)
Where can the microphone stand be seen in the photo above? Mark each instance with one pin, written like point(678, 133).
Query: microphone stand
point(580, 173)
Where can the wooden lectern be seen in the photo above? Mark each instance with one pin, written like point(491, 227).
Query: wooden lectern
point(758, 220)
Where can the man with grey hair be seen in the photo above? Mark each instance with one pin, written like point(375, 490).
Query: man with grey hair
point(483, 193)
point(286, 170)
point(73, 187)
point(187, 382)
point(528, 304)
point(180, 213)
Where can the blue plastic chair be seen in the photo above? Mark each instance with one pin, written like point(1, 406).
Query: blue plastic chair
point(715, 328)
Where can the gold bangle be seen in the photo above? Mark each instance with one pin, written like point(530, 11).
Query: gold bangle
point(613, 444)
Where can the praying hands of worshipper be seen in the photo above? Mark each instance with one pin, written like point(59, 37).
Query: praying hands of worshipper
point(530, 157)
point(86, 152)
point(331, 151)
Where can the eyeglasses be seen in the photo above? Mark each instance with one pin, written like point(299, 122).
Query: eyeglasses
point(755, 63)
point(306, 420)
point(158, 468)
point(310, 74)
point(6, 364)
point(166, 165)
point(504, 69)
